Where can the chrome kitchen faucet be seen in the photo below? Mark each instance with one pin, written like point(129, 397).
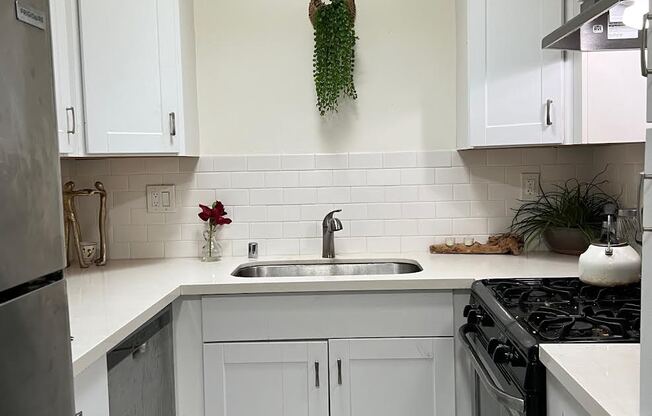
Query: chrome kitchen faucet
point(329, 226)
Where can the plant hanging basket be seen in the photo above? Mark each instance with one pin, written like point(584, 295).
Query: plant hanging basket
point(316, 4)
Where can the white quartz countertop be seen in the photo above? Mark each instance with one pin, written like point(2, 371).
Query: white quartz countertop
point(109, 303)
point(603, 378)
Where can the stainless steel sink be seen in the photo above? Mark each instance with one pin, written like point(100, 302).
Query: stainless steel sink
point(328, 267)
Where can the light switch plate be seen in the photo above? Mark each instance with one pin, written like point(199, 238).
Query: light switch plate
point(161, 198)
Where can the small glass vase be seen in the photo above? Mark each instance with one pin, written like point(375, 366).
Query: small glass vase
point(212, 250)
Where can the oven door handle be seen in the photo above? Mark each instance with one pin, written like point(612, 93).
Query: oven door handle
point(502, 397)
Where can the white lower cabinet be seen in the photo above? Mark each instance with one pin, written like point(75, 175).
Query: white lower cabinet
point(389, 377)
point(362, 377)
point(92, 390)
point(271, 379)
point(559, 400)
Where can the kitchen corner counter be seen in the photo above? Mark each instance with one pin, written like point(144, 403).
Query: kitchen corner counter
point(109, 303)
point(603, 378)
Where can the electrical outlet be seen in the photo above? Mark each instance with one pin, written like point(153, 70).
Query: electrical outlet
point(161, 198)
point(529, 186)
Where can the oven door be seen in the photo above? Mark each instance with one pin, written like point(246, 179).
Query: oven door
point(495, 395)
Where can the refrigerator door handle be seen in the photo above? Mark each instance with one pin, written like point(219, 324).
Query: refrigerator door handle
point(639, 202)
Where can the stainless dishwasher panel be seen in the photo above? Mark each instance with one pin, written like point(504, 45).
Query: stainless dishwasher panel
point(141, 371)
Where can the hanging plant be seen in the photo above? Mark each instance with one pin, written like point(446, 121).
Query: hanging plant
point(334, 57)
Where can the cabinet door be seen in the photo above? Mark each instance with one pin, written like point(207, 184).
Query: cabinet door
point(271, 379)
point(67, 75)
point(515, 91)
point(130, 63)
point(389, 377)
point(614, 97)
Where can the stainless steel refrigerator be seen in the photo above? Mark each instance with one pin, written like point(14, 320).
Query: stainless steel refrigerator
point(35, 357)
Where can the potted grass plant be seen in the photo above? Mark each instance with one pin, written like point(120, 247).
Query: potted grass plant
point(567, 217)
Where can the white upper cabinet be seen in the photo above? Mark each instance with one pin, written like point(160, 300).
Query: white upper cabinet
point(510, 91)
point(67, 77)
point(139, 93)
point(389, 377)
point(271, 379)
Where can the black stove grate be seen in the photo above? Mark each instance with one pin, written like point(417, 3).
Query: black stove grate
point(557, 310)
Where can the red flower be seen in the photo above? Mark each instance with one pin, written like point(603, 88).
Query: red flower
point(215, 215)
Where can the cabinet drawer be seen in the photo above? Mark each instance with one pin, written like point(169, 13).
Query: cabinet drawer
point(322, 316)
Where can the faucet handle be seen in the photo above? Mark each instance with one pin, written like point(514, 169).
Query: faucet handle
point(330, 214)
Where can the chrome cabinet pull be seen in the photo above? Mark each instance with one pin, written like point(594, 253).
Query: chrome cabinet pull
point(71, 111)
point(339, 372)
point(317, 374)
point(548, 112)
point(173, 124)
point(644, 69)
point(142, 348)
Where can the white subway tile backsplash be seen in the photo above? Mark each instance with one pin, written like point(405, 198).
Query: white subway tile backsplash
point(367, 228)
point(368, 194)
point(264, 162)
point(161, 165)
point(418, 210)
point(384, 244)
point(231, 197)
point(247, 180)
point(391, 202)
point(298, 162)
point(351, 245)
point(469, 158)
point(249, 214)
point(401, 193)
point(266, 230)
point(269, 196)
point(140, 182)
point(470, 226)
point(88, 167)
point(282, 179)
point(487, 174)
point(504, 157)
point(365, 160)
point(316, 178)
point(229, 163)
point(147, 250)
point(180, 180)
point(453, 209)
point(452, 175)
point(284, 213)
point(422, 176)
point(401, 227)
point(384, 211)
point(300, 230)
point(333, 195)
point(140, 216)
point(300, 195)
point(436, 159)
point(434, 193)
point(349, 178)
point(125, 166)
point(213, 180)
point(331, 161)
point(129, 233)
point(470, 192)
point(400, 160)
point(383, 177)
point(167, 232)
point(174, 249)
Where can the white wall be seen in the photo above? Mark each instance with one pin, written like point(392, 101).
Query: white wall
point(255, 87)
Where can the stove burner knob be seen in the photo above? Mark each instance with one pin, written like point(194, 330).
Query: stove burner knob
point(492, 345)
point(479, 317)
point(467, 309)
point(503, 354)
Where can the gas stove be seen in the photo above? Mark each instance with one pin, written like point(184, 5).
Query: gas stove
point(508, 319)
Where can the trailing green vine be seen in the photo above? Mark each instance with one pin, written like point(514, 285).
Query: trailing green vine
point(334, 57)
